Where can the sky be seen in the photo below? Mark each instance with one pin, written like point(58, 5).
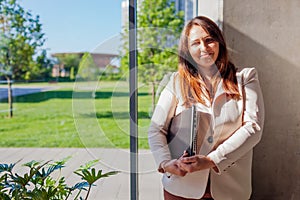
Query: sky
point(76, 25)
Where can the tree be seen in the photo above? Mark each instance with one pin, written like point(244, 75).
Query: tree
point(21, 36)
point(43, 65)
point(159, 27)
point(88, 70)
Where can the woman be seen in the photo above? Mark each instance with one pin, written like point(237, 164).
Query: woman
point(231, 119)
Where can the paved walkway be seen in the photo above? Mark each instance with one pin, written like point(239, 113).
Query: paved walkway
point(24, 90)
point(116, 187)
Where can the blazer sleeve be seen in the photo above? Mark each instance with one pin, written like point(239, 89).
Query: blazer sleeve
point(249, 134)
point(164, 111)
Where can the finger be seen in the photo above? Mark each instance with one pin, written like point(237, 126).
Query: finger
point(187, 167)
point(181, 166)
point(188, 159)
point(185, 154)
point(183, 173)
point(178, 171)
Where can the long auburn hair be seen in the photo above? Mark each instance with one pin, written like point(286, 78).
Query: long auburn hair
point(191, 82)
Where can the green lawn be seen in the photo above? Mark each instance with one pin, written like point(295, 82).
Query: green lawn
point(75, 115)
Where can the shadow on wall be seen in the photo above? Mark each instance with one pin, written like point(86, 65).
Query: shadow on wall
point(276, 163)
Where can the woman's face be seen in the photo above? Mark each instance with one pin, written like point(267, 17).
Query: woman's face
point(202, 47)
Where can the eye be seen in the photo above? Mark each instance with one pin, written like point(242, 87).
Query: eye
point(195, 43)
point(209, 40)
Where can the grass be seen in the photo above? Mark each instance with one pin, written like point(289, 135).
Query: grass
point(76, 115)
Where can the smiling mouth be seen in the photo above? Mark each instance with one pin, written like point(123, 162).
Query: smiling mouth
point(206, 55)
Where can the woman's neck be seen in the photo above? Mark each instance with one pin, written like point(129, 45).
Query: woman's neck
point(211, 78)
point(208, 74)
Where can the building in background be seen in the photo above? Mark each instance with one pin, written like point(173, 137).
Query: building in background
point(101, 60)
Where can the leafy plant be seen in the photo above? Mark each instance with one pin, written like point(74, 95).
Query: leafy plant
point(39, 183)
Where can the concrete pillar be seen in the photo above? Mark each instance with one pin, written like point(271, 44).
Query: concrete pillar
point(266, 34)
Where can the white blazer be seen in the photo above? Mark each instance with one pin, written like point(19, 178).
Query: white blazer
point(236, 126)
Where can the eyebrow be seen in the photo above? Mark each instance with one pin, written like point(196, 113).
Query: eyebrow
point(197, 39)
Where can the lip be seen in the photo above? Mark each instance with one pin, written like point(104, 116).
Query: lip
point(205, 55)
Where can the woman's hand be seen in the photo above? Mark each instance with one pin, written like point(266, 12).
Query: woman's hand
point(172, 166)
point(195, 163)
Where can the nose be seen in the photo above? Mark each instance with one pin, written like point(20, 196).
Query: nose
point(202, 46)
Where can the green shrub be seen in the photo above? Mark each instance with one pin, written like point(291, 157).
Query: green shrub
point(39, 184)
